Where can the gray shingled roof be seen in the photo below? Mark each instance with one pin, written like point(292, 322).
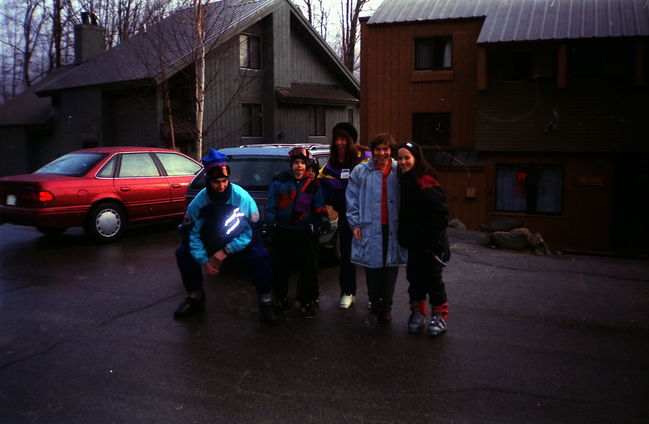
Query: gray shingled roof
point(526, 20)
point(165, 48)
point(27, 108)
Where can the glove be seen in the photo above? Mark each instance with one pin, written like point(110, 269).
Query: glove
point(325, 226)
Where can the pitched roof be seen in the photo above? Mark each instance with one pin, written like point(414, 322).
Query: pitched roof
point(163, 48)
point(526, 20)
point(308, 93)
point(170, 45)
point(27, 108)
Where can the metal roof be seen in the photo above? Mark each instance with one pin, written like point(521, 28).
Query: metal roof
point(310, 93)
point(527, 20)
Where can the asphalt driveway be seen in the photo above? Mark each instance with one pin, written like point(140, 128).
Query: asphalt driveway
point(86, 336)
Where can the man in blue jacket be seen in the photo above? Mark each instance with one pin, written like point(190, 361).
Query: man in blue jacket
point(222, 220)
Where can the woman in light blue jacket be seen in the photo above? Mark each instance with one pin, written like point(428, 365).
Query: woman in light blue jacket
point(373, 213)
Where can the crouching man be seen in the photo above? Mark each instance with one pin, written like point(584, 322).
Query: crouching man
point(221, 221)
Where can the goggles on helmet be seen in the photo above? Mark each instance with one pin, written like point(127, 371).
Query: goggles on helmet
point(218, 171)
point(299, 151)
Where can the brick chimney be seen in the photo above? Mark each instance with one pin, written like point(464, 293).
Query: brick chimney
point(88, 38)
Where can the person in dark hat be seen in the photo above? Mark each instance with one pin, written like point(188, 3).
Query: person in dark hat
point(344, 155)
point(295, 210)
point(423, 218)
point(222, 220)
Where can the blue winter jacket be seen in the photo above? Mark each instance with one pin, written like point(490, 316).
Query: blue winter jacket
point(240, 199)
point(364, 210)
point(295, 205)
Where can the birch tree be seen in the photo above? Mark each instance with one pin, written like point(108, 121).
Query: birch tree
point(215, 39)
point(200, 13)
point(196, 49)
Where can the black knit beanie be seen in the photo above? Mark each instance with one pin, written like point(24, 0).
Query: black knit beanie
point(345, 129)
point(411, 147)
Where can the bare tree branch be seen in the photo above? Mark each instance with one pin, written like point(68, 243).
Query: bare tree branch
point(349, 16)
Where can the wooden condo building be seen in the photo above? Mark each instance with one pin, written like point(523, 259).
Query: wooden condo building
point(532, 109)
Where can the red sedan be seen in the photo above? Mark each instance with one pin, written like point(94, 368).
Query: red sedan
point(100, 189)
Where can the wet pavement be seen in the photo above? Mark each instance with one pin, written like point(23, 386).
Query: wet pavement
point(87, 336)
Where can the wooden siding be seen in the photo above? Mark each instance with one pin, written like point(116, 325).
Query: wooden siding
point(228, 87)
point(295, 123)
point(306, 66)
point(594, 129)
point(299, 63)
point(586, 222)
point(130, 118)
point(586, 219)
point(391, 92)
point(13, 151)
point(286, 58)
point(456, 183)
point(79, 120)
point(537, 115)
point(282, 50)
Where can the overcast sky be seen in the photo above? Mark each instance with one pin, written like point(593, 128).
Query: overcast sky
point(334, 14)
point(334, 6)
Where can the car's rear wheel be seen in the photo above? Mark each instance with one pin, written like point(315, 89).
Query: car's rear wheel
point(106, 222)
point(52, 231)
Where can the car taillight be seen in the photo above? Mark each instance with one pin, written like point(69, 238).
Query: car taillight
point(45, 196)
point(37, 197)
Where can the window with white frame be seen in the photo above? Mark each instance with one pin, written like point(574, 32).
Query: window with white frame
point(529, 188)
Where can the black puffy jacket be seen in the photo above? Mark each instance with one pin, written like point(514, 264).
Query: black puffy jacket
point(423, 216)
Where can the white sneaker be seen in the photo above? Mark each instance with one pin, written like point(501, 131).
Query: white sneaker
point(346, 301)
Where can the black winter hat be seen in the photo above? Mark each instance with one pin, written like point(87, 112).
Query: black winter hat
point(345, 129)
point(412, 147)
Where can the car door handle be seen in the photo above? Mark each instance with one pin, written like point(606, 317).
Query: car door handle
point(125, 188)
point(176, 185)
